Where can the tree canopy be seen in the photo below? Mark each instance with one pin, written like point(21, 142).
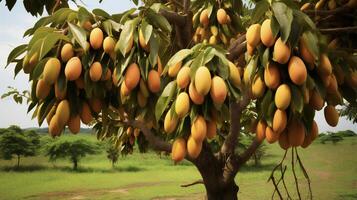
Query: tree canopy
point(188, 76)
point(74, 150)
point(14, 142)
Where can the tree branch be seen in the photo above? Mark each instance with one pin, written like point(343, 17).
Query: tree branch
point(245, 156)
point(236, 110)
point(193, 183)
point(186, 5)
point(339, 30)
point(156, 142)
point(57, 4)
point(237, 48)
point(173, 17)
point(338, 10)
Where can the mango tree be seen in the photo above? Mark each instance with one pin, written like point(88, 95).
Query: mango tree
point(182, 76)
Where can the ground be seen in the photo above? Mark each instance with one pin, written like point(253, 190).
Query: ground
point(332, 168)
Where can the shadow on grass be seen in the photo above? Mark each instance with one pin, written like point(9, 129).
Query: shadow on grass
point(27, 168)
point(257, 168)
point(348, 196)
point(33, 168)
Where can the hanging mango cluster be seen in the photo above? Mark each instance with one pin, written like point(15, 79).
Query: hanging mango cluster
point(291, 76)
point(196, 101)
point(81, 64)
point(216, 23)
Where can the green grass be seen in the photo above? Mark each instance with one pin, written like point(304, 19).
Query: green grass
point(332, 169)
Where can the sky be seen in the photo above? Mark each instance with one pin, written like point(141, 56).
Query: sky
point(12, 26)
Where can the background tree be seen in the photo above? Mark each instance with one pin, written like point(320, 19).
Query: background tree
point(188, 75)
point(350, 111)
point(16, 142)
point(74, 150)
point(112, 153)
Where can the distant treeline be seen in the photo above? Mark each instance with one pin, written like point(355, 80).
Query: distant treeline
point(45, 130)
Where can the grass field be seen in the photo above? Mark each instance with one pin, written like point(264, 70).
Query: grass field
point(332, 169)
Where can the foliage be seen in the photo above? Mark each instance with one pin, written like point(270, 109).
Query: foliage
point(334, 138)
point(350, 111)
point(16, 142)
point(74, 150)
point(112, 153)
point(194, 70)
point(258, 155)
point(346, 133)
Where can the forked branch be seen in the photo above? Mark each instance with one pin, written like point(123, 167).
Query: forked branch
point(245, 156)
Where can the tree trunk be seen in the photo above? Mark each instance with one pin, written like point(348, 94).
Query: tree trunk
point(216, 192)
point(113, 164)
point(75, 164)
point(219, 184)
point(18, 161)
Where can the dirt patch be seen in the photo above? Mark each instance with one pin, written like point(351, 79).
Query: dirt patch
point(323, 175)
point(90, 193)
point(78, 198)
point(196, 196)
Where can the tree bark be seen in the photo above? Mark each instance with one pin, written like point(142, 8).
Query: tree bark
point(213, 171)
point(18, 161)
point(75, 164)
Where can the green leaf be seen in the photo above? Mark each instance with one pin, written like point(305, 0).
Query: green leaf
point(84, 15)
point(284, 15)
point(297, 99)
point(156, 7)
point(18, 68)
point(233, 91)
point(40, 23)
point(209, 10)
point(125, 64)
point(16, 52)
point(158, 21)
point(265, 58)
point(209, 54)
point(197, 62)
point(100, 12)
point(308, 117)
point(270, 113)
point(154, 49)
point(79, 34)
point(179, 56)
point(295, 33)
point(260, 8)
point(45, 109)
point(40, 34)
point(165, 99)
point(268, 98)
point(311, 42)
point(306, 19)
point(126, 35)
point(49, 42)
point(39, 69)
point(123, 17)
point(146, 29)
point(60, 16)
point(108, 27)
point(274, 26)
point(223, 70)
